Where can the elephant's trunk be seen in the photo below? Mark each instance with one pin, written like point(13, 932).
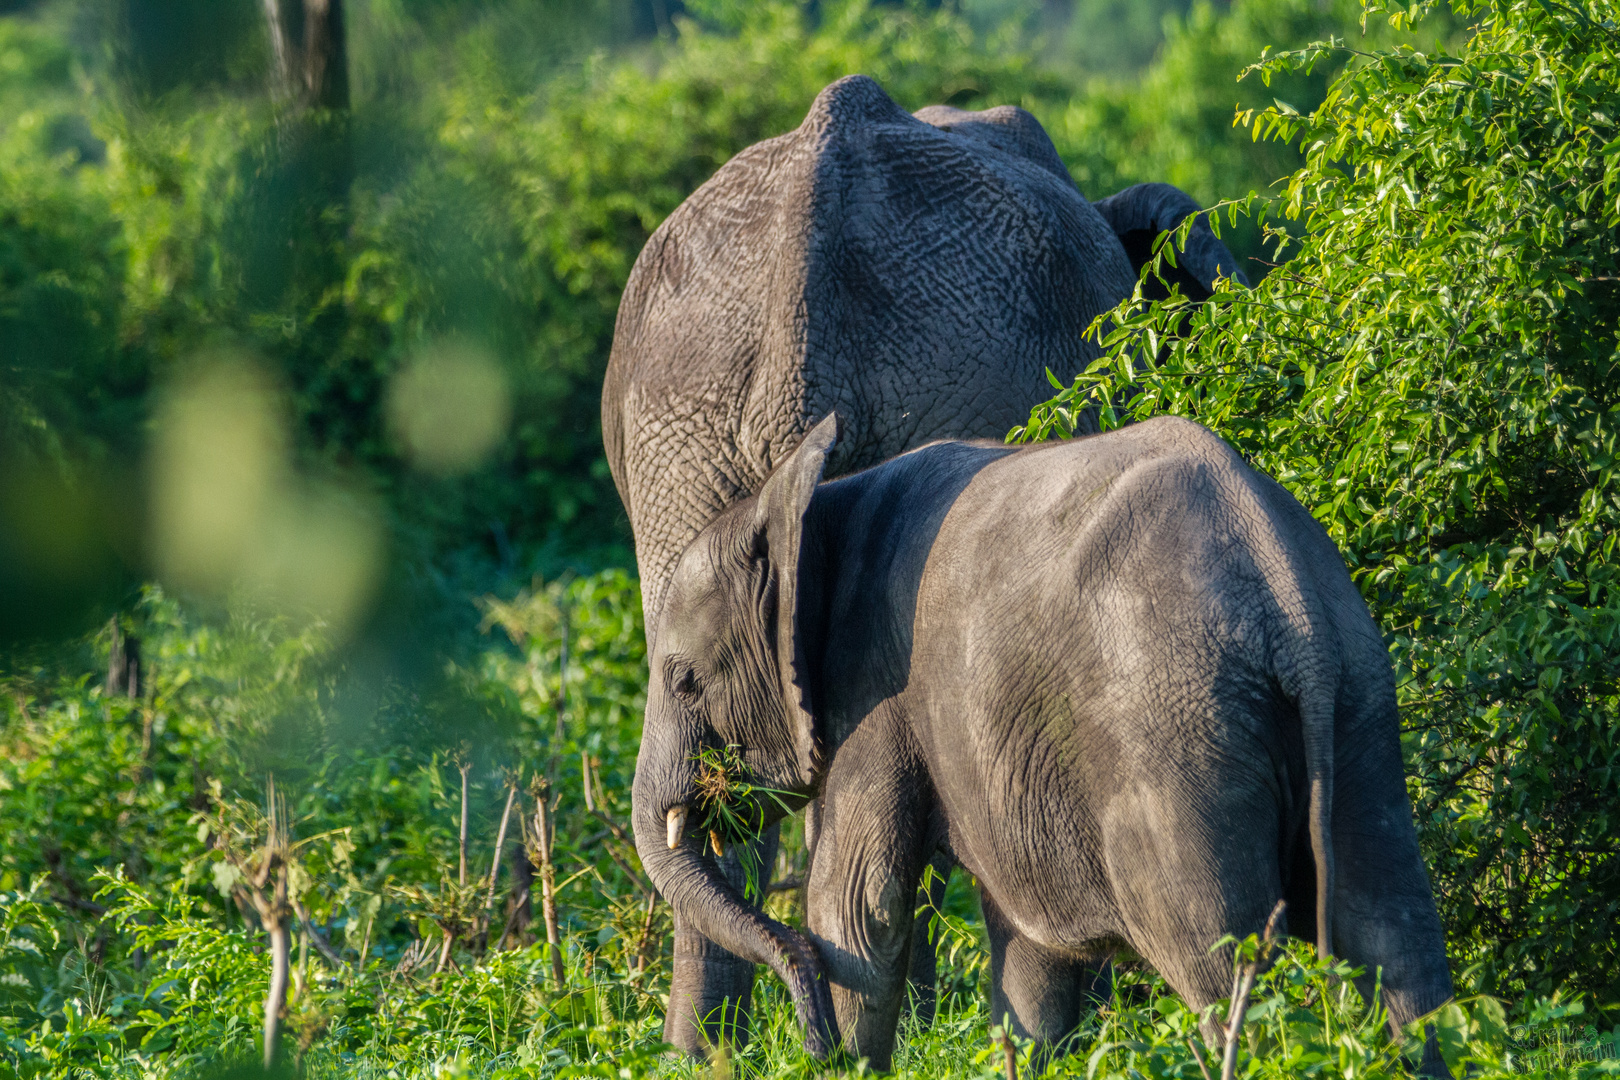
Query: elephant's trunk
point(701, 896)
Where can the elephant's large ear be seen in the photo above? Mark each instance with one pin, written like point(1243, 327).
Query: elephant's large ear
point(1141, 212)
point(780, 519)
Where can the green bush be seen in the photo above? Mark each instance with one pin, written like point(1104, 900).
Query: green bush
point(155, 960)
point(463, 212)
point(1435, 375)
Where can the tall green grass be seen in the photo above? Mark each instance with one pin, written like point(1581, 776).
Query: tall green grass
point(194, 1012)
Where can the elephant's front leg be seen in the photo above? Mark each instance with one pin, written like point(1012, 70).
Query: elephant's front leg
point(710, 990)
point(922, 984)
point(873, 841)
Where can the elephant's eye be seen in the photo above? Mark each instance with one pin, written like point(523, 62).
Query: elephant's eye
point(685, 685)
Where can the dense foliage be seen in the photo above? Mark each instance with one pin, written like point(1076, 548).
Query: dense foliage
point(1436, 375)
point(150, 790)
point(462, 215)
point(502, 1018)
point(472, 210)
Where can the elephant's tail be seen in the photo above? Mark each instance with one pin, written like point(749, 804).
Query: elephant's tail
point(1316, 709)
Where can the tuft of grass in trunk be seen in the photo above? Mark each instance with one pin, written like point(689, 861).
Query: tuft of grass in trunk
point(733, 809)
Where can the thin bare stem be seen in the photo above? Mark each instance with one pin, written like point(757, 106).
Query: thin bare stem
point(300, 972)
point(500, 845)
point(365, 944)
point(273, 911)
point(646, 933)
point(444, 951)
point(1198, 1057)
point(1246, 976)
point(322, 946)
point(280, 956)
point(540, 856)
point(461, 874)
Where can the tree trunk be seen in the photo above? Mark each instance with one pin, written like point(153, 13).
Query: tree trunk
point(308, 70)
point(124, 664)
point(281, 59)
point(326, 57)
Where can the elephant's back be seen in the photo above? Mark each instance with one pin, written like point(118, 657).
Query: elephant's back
point(1142, 574)
point(947, 265)
point(919, 281)
point(1155, 532)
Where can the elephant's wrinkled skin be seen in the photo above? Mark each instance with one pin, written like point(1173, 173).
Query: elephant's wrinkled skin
point(1126, 679)
point(916, 274)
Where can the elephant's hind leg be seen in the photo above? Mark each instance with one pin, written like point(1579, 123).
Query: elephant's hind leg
point(1039, 993)
point(1187, 867)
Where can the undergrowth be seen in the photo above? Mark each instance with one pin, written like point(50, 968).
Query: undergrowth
point(194, 1012)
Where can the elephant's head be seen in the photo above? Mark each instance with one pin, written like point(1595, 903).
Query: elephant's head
point(728, 685)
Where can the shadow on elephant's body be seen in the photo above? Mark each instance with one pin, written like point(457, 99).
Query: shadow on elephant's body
point(863, 663)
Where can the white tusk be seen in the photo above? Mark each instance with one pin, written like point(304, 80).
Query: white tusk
point(676, 822)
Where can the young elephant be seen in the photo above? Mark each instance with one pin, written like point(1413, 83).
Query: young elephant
point(1125, 679)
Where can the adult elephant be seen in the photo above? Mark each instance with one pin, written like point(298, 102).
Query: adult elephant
point(918, 275)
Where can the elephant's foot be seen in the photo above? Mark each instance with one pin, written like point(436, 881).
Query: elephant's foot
point(710, 994)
